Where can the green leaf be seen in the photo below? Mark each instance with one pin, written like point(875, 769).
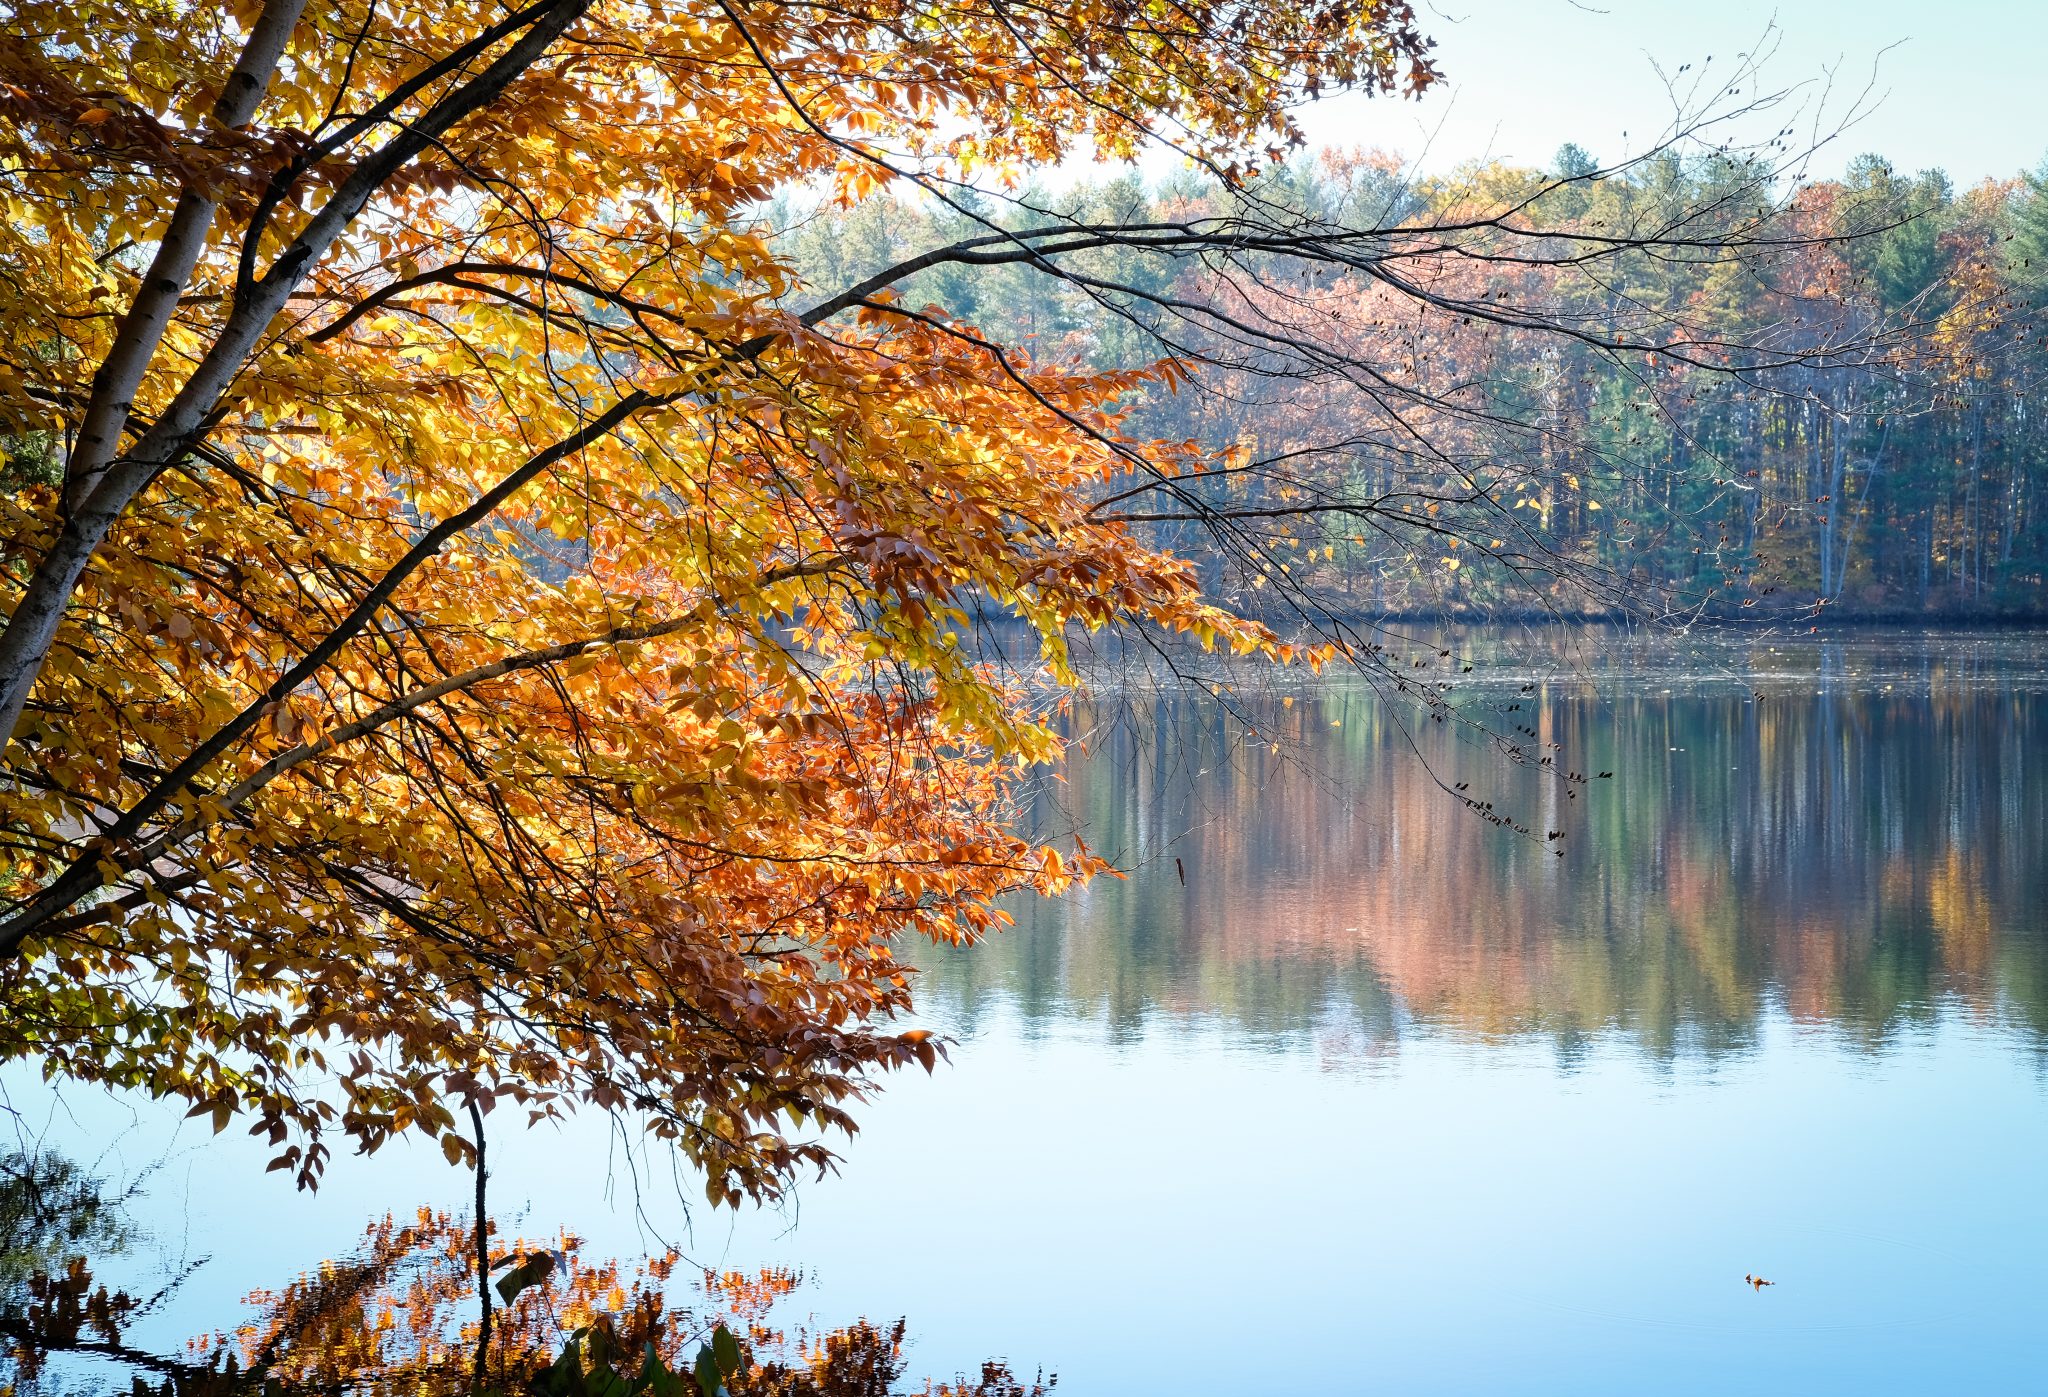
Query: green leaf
point(708, 1381)
point(726, 1350)
point(565, 1376)
point(655, 1377)
point(603, 1382)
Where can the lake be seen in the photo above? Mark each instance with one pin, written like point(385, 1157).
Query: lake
point(1347, 1088)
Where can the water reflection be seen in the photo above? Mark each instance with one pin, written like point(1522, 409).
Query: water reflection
point(1843, 831)
point(1382, 1099)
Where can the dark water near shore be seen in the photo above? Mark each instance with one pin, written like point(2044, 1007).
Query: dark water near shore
point(1346, 1089)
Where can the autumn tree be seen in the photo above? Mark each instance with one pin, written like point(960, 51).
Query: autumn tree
point(482, 628)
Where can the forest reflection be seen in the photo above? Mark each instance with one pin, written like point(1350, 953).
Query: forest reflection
point(1845, 833)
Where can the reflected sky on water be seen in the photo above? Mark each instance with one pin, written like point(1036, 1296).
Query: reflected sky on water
point(1345, 1089)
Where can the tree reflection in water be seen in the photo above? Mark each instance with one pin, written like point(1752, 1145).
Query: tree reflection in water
point(1845, 831)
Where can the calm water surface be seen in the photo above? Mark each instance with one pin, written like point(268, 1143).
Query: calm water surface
point(1366, 1095)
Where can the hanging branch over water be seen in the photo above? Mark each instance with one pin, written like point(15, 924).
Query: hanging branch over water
point(486, 623)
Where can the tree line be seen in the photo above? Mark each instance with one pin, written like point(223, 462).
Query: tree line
point(1888, 460)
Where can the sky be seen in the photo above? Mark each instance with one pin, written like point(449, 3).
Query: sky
point(1959, 85)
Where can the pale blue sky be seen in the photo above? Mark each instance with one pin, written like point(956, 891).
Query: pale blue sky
point(1962, 84)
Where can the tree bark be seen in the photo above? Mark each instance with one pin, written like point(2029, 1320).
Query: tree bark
point(170, 270)
point(25, 643)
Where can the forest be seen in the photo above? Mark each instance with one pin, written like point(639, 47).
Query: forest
point(1890, 465)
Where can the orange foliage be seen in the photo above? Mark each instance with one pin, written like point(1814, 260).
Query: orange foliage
point(492, 635)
